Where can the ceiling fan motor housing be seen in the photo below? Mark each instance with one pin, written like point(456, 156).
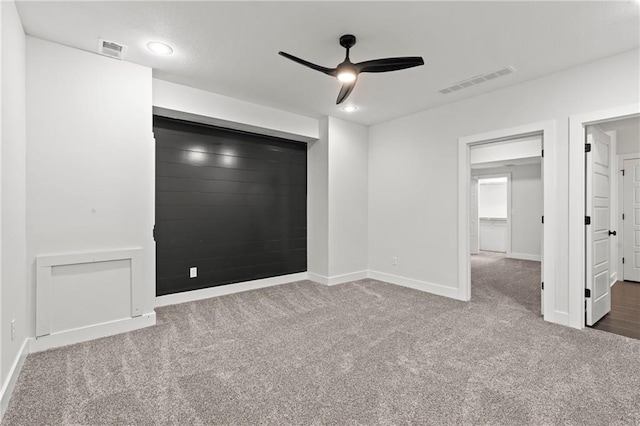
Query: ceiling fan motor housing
point(348, 41)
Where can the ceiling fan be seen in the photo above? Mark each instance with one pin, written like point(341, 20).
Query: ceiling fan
point(347, 72)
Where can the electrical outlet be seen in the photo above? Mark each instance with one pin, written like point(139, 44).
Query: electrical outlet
point(193, 272)
point(394, 261)
point(13, 329)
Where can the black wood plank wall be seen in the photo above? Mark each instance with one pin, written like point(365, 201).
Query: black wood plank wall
point(232, 204)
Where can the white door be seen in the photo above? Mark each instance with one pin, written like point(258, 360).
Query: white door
point(598, 173)
point(631, 223)
point(473, 216)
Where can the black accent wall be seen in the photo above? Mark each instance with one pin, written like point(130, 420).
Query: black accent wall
point(232, 204)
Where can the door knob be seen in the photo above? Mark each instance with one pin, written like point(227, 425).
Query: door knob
point(612, 233)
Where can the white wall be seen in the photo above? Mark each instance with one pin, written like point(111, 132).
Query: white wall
point(90, 161)
point(13, 289)
point(526, 208)
point(337, 207)
point(348, 225)
point(413, 167)
point(318, 203)
point(628, 141)
point(178, 101)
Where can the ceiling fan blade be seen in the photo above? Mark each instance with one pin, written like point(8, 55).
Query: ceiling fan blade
point(328, 71)
point(389, 64)
point(345, 91)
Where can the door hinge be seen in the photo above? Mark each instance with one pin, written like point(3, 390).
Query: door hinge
point(587, 292)
point(154, 233)
point(587, 147)
point(622, 216)
point(542, 219)
point(623, 260)
point(622, 172)
point(543, 285)
point(542, 153)
point(587, 220)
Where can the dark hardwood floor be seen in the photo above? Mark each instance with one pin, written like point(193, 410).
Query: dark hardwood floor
point(624, 318)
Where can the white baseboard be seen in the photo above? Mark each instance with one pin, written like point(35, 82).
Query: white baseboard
point(317, 278)
point(525, 256)
point(437, 289)
point(338, 279)
point(12, 377)
point(206, 293)
point(96, 331)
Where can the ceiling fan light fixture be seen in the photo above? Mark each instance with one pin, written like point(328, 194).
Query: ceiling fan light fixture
point(347, 76)
point(347, 72)
point(160, 48)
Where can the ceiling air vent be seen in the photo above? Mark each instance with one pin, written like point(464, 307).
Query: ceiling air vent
point(478, 79)
point(111, 48)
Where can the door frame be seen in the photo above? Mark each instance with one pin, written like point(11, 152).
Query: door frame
point(550, 229)
point(577, 199)
point(480, 176)
point(476, 224)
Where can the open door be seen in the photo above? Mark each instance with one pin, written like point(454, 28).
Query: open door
point(598, 200)
point(474, 239)
point(631, 222)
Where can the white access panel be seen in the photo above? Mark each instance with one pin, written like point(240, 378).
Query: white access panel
point(79, 290)
point(90, 293)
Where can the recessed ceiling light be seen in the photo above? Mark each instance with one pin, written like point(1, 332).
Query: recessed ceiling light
point(160, 48)
point(349, 108)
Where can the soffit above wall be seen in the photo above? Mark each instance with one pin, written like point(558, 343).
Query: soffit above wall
point(507, 151)
point(507, 163)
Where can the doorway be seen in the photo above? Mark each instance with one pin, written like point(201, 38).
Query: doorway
point(551, 303)
point(505, 211)
point(493, 212)
point(577, 296)
point(612, 235)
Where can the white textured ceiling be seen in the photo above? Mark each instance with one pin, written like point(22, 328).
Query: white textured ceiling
point(231, 47)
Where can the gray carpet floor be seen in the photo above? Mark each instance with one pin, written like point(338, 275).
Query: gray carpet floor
point(364, 352)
